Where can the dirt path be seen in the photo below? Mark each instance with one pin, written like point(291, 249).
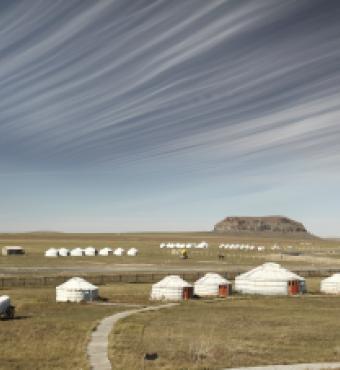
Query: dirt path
point(97, 349)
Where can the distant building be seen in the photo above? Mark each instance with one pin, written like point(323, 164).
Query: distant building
point(13, 250)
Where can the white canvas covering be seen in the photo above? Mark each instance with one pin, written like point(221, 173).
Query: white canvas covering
point(90, 251)
point(208, 285)
point(5, 302)
point(169, 288)
point(331, 285)
point(119, 252)
point(77, 252)
point(132, 252)
point(51, 252)
point(76, 290)
point(63, 252)
point(105, 252)
point(267, 279)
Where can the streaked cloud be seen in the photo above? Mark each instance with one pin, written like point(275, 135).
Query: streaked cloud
point(193, 88)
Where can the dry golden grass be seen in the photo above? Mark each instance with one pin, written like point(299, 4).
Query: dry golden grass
point(321, 252)
point(240, 331)
point(49, 335)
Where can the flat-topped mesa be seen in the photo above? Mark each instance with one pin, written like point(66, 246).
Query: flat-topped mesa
point(267, 224)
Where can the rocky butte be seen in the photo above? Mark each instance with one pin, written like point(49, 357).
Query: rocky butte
point(267, 224)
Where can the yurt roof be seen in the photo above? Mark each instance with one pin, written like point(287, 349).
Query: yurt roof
point(90, 248)
point(77, 283)
point(172, 281)
point(269, 272)
point(335, 278)
point(212, 278)
point(52, 250)
point(63, 249)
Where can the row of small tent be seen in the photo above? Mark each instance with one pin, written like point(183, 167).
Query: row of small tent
point(250, 247)
point(89, 251)
point(201, 245)
point(267, 279)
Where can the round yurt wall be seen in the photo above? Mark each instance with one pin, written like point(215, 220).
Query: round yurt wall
point(331, 285)
point(172, 288)
point(270, 279)
point(76, 290)
point(212, 285)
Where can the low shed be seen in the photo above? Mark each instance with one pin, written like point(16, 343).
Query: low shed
point(13, 250)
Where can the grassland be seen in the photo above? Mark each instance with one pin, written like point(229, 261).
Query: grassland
point(208, 334)
point(49, 335)
point(239, 331)
point(316, 252)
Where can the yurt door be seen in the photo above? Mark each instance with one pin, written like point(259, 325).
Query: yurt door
point(293, 287)
point(188, 293)
point(223, 290)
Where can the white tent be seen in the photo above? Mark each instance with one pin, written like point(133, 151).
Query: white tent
point(269, 279)
point(171, 288)
point(51, 252)
point(63, 252)
point(202, 245)
point(212, 285)
point(76, 290)
point(77, 252)
point(90, 251)
point(331, 285)
point(119, 252)
point(132, 252)
point(105, 251)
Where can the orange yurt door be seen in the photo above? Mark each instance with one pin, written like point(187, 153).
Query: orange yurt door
point(293, 287)
point(188, 293)
point(223, 290)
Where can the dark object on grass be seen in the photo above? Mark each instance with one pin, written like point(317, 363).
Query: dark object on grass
point(151, 356)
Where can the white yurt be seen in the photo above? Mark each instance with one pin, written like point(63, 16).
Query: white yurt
point(270, 279)
point(90, 251)
point(132, 252)
point(172, 288)
point(106, 251)
point(331, 285)
point(51, 252)
point(212, 285)
point(119, 252)
point(7, 311)
point(63, 252)
point(77, 252)
point(76, 290)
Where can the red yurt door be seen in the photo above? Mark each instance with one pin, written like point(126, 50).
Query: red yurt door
point(188, 293)
point(293, 287)
point(223, 290)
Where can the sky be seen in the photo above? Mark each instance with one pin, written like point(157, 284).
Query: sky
point(128, 115)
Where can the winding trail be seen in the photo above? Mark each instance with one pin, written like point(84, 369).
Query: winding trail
point(97, 349)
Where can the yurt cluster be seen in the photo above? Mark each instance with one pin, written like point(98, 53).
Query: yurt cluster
point(90, 251)
point(171, 245)
point(269, 279)
point(250, 247)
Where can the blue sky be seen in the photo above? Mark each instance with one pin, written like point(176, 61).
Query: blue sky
point(168, 115)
